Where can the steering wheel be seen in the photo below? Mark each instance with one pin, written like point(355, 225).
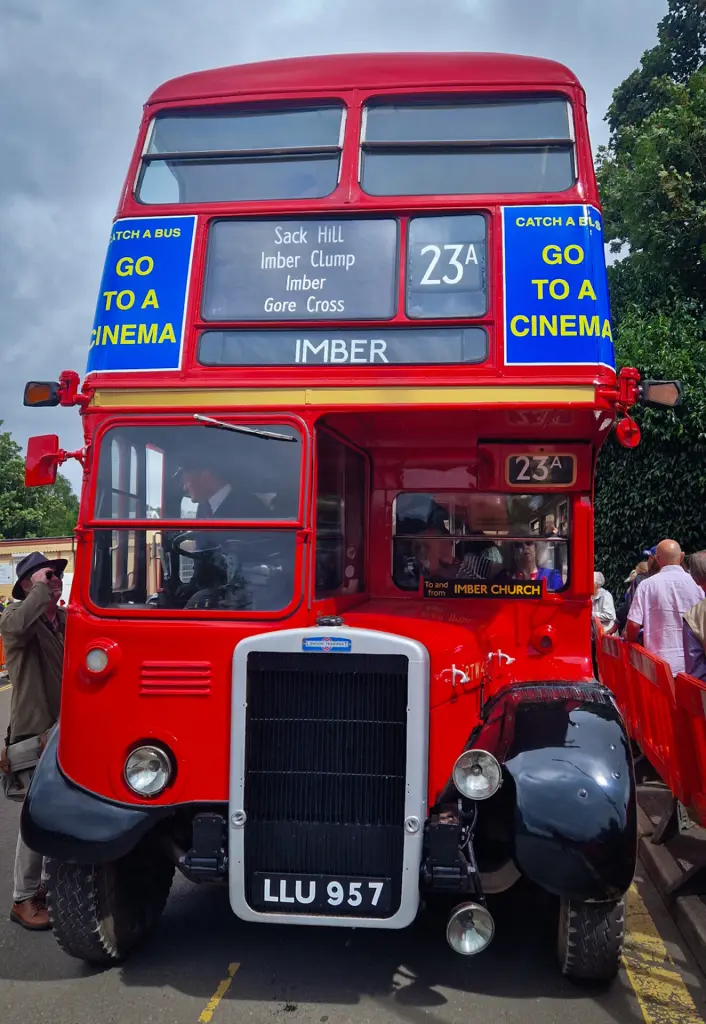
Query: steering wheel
point(197, 554)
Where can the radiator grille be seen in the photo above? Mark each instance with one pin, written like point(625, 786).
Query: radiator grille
point(325, 765)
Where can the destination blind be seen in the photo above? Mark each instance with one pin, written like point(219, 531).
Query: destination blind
point(301, 270)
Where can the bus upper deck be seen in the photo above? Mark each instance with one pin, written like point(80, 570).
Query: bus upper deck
point(397, 219)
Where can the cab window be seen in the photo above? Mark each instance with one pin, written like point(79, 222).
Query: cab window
point(480, 537)
point(340, 518)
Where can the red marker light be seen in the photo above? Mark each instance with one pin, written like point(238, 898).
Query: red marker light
point(628, 433)
point(542, 639)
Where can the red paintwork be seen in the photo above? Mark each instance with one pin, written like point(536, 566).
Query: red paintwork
point(423, 447)
point(340, 72)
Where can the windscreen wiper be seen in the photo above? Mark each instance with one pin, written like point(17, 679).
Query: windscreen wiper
point(269, 435)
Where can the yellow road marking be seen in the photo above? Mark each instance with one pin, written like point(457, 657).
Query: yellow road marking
point(7, 686)
point(212, 1005)
point(658, 985)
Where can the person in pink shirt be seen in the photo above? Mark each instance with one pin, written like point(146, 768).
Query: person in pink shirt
point(660, 604)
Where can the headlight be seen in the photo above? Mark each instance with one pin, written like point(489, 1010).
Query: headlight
point(97, 659)
point(477, 774)
point(147, 771)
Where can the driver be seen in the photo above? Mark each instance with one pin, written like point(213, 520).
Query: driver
point(217, 554)
point(206, 482)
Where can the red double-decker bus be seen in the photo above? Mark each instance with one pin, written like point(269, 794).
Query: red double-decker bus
point(329, 633)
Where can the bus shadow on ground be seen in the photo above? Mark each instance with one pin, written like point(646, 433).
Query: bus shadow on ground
point(200, 936)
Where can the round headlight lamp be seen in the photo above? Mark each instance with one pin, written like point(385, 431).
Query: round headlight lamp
point(148, 770)
point(477, 774)
point(97, 659)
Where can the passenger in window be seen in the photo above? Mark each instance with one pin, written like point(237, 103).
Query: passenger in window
point(435, 555)
point(550, 529)
point(480, 557)
point(523, 555)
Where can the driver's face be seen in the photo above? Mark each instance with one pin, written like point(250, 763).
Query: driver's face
point(199, 484)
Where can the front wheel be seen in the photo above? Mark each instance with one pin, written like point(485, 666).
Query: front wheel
point(100, 912)
point(590, 939)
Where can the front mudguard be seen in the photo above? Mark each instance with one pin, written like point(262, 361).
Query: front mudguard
point(62, 820)
point(567, 755)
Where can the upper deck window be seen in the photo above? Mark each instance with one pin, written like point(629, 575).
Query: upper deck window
point(241, 156)
point(480, 147)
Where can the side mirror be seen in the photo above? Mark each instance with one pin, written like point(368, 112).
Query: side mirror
point(42, 461)
point(41, 393)
point(660, 394)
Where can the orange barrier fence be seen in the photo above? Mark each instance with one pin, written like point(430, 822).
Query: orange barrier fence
point(690, 696)
point(664, 715)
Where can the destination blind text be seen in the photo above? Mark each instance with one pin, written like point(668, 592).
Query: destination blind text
point(263, 270)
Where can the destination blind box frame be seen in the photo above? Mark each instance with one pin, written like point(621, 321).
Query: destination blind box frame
point(345, 268)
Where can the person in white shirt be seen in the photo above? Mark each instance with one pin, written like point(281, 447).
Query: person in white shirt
point(660, 604)
point(603, 604)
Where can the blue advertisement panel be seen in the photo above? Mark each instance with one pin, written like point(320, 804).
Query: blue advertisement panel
point(139, 322)
point(556, 288)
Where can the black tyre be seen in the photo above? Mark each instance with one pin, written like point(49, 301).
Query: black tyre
point(100, 912)
point(590, 940)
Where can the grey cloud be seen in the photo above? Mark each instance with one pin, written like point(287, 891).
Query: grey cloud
point(74, 76)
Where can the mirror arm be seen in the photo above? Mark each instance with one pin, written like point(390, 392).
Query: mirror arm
point(629, 388)
point(61, 456)
point(69, 382)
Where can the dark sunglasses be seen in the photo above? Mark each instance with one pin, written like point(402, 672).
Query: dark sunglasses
point(53, 574)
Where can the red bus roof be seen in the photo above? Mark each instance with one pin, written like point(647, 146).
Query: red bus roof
point(338, 72)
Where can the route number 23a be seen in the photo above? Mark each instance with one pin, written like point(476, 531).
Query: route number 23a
point(540, 469)
point(457, 257)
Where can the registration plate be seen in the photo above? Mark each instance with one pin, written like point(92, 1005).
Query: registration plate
point(321, 894)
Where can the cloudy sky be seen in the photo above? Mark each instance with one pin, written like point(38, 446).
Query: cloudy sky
point(75, 73)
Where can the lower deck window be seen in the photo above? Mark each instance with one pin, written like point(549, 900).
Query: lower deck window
point(217, 570)
point(340, 518)
point(472, 536)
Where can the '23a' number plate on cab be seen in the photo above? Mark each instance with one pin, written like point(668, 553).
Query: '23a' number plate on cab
point(320, 894)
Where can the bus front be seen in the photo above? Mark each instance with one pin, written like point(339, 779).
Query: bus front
point(329, 633)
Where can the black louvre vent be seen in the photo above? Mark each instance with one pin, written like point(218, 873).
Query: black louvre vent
point(325, 765)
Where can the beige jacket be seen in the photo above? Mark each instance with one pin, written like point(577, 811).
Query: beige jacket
point(34, 655)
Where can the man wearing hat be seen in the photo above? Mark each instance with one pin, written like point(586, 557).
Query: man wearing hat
point(32, 629)
point(206, 482)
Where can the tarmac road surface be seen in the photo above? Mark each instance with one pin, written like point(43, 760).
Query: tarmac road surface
point(202, 965)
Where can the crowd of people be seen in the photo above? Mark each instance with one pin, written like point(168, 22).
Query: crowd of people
point(663, 607)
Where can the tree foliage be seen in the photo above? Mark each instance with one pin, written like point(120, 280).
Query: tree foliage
point(36, 511)
point(652, 178)
point(653, 187)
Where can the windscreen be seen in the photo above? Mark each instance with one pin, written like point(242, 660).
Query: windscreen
point(198, 474)
point(187, 472)
point(480, 537)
